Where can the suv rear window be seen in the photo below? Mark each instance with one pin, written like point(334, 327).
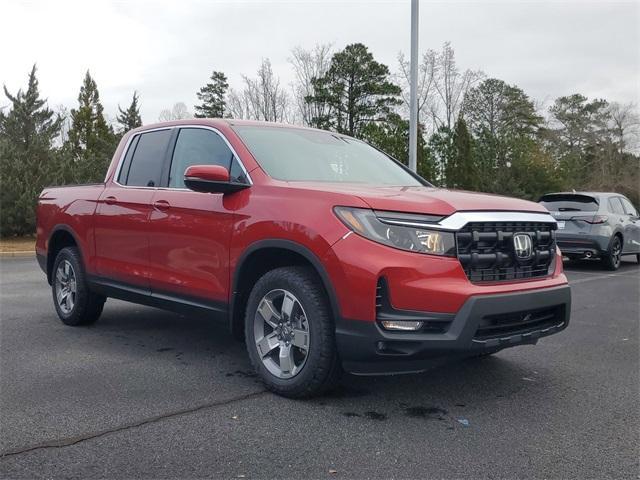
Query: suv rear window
point(569, 203)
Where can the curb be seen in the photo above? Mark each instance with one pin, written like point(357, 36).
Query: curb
point(25, 253)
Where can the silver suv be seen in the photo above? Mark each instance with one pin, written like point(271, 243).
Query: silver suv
point(595, 225)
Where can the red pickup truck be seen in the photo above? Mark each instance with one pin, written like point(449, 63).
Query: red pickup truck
point(322, 252)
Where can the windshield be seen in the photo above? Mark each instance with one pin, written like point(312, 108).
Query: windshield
point(569, 203)
point(294, 154)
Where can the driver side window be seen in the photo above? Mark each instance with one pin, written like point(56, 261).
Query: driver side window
point(198, 146)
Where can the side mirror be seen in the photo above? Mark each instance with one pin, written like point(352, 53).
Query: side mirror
point(210, 179)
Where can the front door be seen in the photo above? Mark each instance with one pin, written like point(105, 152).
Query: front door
point(190, 232)
point(631, 227)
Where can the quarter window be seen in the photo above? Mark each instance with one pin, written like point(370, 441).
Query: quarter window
point(144, 167)
point(197, 146)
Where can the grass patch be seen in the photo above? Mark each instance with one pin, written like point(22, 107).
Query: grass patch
point(17, 244)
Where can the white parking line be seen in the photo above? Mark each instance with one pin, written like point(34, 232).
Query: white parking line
point(580, 272)
point(598, 277)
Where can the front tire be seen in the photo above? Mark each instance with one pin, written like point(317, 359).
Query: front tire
point(613, 257)
point(75, 304)
point(290, 334)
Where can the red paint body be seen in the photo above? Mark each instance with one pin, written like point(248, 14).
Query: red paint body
point(183, 242)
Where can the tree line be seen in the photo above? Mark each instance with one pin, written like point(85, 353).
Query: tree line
point(476, 132)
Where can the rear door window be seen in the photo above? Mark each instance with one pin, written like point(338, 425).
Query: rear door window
point(615, 206)
point(145, 166)
point(628, 207)
point(569, 203)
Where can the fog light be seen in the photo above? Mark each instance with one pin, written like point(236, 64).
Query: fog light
point(402, 325)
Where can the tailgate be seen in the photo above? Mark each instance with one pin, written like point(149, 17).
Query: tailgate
point(574, 212)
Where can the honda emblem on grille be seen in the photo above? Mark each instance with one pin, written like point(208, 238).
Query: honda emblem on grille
point(523, 246)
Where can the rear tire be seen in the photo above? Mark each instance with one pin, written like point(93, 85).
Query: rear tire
point(611, 260)
point(75, 304)
point(294, 350)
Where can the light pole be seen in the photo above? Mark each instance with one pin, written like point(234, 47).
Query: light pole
point(413, 86)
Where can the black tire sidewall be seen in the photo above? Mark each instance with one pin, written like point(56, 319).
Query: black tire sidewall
point(318, 317)
point(610, 261)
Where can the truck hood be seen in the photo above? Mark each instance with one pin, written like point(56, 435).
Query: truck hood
point(425, 200)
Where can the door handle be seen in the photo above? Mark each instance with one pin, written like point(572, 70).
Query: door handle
point(161, 205)
point(110, 200)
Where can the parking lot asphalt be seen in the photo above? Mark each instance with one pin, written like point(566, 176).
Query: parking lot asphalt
point(145, 393)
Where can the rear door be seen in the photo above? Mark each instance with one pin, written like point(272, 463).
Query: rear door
point(574, 212)
point(190, 231)
point(631, 227)
point(122, 216)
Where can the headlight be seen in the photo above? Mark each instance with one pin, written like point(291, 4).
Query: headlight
point(410, 236)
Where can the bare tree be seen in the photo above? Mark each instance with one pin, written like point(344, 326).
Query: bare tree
point(307, 66)
point(441, 87)
point(427, 71)
point(263, 98)
point(625, 126)
point(237, 105)
point(179, 111)
point(451, 86)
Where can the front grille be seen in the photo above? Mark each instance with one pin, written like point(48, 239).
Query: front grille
point(519, 323)
point(486, 250)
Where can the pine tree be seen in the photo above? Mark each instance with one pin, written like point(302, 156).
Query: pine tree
point(392, 137)
point(91, 140)
point(27, 159)
point(355, 91)
point(212, 96)
point(460, 169)
point(129, 118)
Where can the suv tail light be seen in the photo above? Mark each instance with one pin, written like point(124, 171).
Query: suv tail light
point(596, 219)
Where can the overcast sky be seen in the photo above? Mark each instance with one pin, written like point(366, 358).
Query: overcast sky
point(167, 50)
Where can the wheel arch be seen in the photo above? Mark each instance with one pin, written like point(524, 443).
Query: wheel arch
point(259, 258)
point(618, 232)
point(62, 236)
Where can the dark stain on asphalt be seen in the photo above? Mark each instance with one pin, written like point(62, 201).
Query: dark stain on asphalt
point(241, 374)
point(371, 415)
point(165, 349)
point(351, 414)
point(245, 373)
point(460, 405)
point(426, 412)
point(346, 392)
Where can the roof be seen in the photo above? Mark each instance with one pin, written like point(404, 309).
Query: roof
point(226, 121)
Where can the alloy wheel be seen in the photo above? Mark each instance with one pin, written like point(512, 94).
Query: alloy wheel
point(281, 333)
point(65, 287)
point(616, 252)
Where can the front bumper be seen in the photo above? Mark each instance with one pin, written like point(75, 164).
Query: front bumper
point(366, 348)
